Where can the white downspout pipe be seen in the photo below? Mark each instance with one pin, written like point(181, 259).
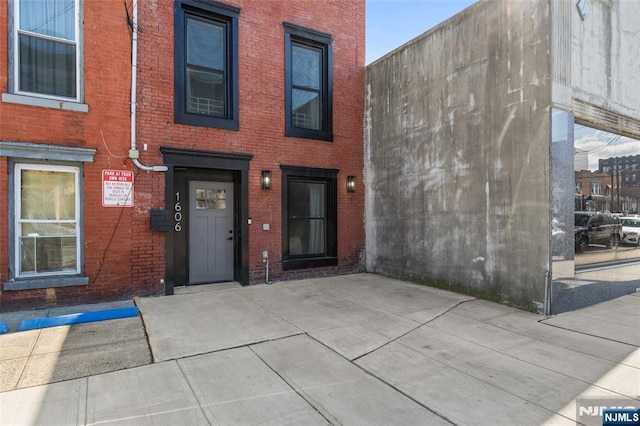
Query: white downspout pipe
point(133, 152)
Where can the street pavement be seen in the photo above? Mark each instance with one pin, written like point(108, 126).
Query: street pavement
point(357, 349)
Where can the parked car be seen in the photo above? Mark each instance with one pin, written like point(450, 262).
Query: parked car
point(596, 228)
point(630, 230)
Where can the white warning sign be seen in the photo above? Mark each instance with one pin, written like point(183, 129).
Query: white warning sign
point(117, 188)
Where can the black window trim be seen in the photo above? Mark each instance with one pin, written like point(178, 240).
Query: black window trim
point(313, 38)
point(330, 176)
point(213, 11)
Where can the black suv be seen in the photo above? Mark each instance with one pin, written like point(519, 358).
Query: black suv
point(596, 228)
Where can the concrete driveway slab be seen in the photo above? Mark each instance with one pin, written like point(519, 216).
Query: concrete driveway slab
point(339, 350)
point(617, 320)
point(534, 384)
point(584, 367)
point(155, 394)
point(350, 314)
point(451, 393)
point(479, 332)
point(342, 392)
point(61, 403)
point(535, 327)
point(94, 334)
point(57, 366)
point(235, 387)
point(309, 306)
point(37, 357)
point(351, 341)
point(388, 294)
point(196, 323)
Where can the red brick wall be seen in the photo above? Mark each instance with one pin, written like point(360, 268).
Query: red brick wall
point(108, 251)
point(261, 81)
point(122, 256)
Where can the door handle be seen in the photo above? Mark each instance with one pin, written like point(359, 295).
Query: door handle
point(229, 238)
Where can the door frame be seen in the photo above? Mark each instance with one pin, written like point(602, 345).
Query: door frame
point(190, 164)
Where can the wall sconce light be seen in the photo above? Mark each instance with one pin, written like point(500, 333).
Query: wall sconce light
point(351, 184)
point(266, 179)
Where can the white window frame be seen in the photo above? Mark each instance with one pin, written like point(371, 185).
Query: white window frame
point(18, 221)
point(16, 63)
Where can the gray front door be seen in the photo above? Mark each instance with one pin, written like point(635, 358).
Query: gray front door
point(211, 232)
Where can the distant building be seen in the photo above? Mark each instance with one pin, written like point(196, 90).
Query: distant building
point(626, 169)
point(592, 191)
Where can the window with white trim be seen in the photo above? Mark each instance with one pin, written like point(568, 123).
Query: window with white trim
point(46, 52)
point(47, 213)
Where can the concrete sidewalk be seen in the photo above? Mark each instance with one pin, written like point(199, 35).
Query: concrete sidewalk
point(357, 350)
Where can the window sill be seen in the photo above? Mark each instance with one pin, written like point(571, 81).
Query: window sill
point(305, 263)
point(44, 282)
point(44, 102)
point(309, 134)
point(205, 121)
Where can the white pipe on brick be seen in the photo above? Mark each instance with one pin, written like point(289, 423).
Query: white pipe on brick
point(133, 152)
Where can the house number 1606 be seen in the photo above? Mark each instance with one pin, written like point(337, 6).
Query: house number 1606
point(177, 215)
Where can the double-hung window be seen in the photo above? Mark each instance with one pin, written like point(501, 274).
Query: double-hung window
point(308, 83)
point(46, 48)
point(47, 212)
point(206, 64)
point(309, 207)
point(45, 200)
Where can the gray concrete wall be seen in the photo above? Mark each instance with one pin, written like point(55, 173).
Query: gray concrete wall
point(595, 63)
point(457, 143)
point(595, 79)
point(605, 48)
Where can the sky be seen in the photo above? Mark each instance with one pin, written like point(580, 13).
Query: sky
point(601, 145)
point(392, 23)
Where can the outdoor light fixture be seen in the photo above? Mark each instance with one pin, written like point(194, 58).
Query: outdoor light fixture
point(266, 179)
point(351, 184)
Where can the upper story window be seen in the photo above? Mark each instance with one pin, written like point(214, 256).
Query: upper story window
point(46, 48)
point(308, 83)
point(206, 64)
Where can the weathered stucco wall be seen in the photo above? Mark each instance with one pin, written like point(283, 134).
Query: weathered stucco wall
point(457, 152)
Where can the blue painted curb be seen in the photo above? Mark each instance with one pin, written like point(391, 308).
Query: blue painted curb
point(109, 314)
point(3, 328)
